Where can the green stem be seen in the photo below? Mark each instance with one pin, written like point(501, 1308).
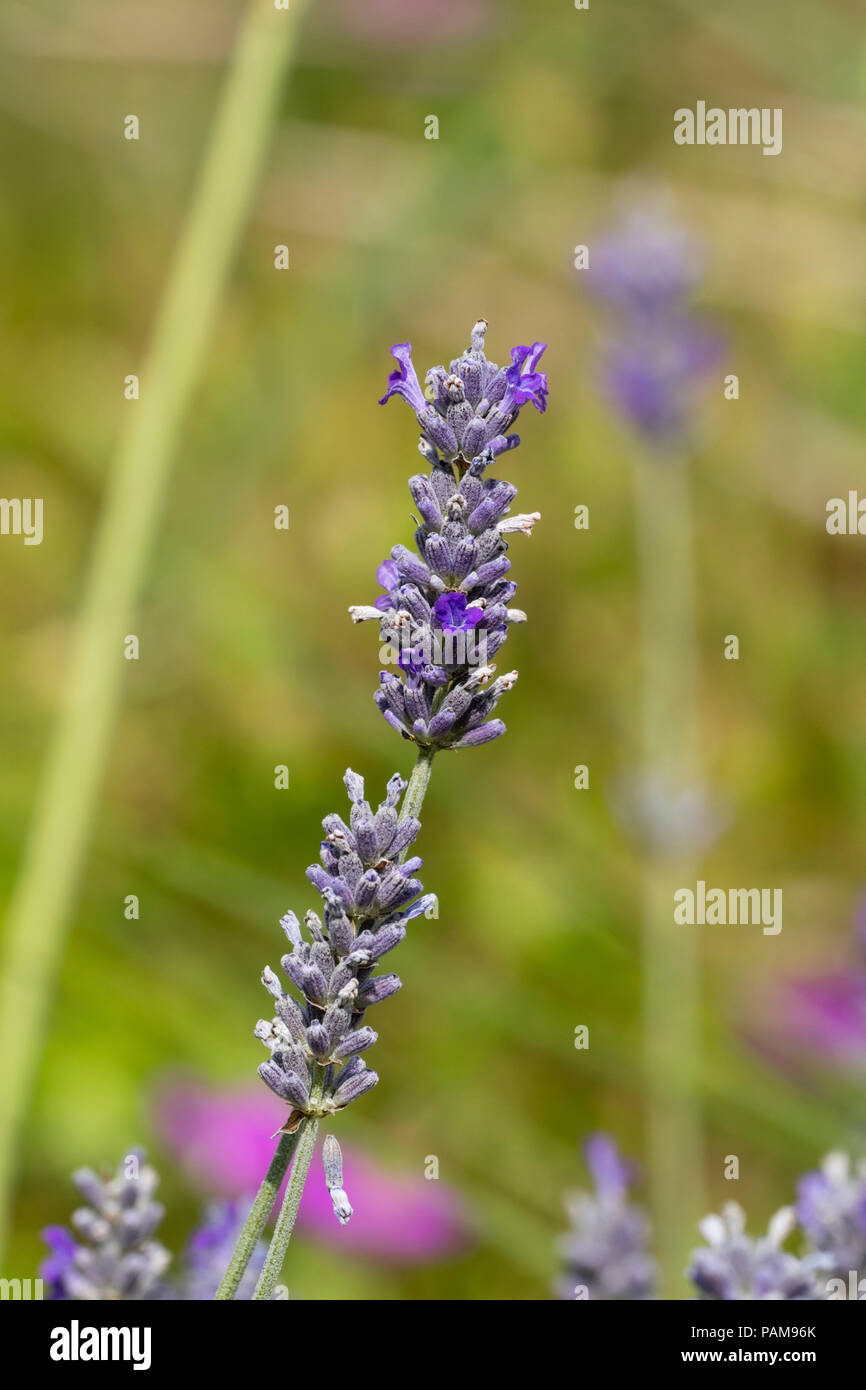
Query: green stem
point(259, 1213)
point(671, 963)
point(416, 790)
point(307, 1131)
point(182, 333)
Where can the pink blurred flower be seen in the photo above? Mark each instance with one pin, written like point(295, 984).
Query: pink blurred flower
point(828, 1015)
point(223, 1139)
point(422, 21)
point(398, 1219)
point(821, 1016)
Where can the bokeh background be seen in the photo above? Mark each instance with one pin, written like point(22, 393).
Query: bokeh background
point(248, 656)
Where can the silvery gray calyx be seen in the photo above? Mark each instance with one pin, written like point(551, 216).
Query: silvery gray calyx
point(369, 895)
point(735, 1266)
point(445, 611)
point(604, 1255)
point(112, 1254)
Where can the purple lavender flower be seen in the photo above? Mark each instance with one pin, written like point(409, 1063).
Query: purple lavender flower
point(370, 895)
point(55, 1267)
point(446, 610)
point(403, 381)
point(452, 615)
point(735, 1266)
point(210, 1249)
point(605, 1252)
point(831, 1208)
point(389, 577)
point(644, 273)
point(112, 1254)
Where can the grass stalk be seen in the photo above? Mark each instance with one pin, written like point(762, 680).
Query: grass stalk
point(57, 842)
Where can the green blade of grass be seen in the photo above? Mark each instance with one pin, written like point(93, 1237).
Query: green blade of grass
point(57, 842)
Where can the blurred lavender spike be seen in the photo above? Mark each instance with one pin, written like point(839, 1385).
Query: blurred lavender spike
point(113, 1254)
point(445, 611)
point(736, 1266)
point(604, 1254)
point(644, 273)
point(210, 1248)
point(831, 1208)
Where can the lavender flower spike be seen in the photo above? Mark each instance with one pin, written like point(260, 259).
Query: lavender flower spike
point(369, 896)
point(604, 1255)
point(443, 612)
point(446, 610)
point(734, 1266)
point(112, 1255)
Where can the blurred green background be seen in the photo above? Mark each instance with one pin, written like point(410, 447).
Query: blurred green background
point(249, 658)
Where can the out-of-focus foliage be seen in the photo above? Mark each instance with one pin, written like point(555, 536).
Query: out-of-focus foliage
point(248, 658)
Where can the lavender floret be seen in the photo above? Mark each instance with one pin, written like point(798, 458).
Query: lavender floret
point(332, 1160)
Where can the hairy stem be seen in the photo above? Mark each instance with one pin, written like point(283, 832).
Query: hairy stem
point(182, 333)
point(307, 1131)
point(413, 798)
point(259, 1213)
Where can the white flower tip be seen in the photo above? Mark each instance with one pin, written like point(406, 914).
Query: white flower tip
point(735, 1218)
point(524, 522)
point(342, 1206)
point(363, 613)
point(712, 1228)
point(836, 1166)
point(781, 1225)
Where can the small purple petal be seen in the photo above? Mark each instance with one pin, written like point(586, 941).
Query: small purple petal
point(403, 381)
point(388, 575)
